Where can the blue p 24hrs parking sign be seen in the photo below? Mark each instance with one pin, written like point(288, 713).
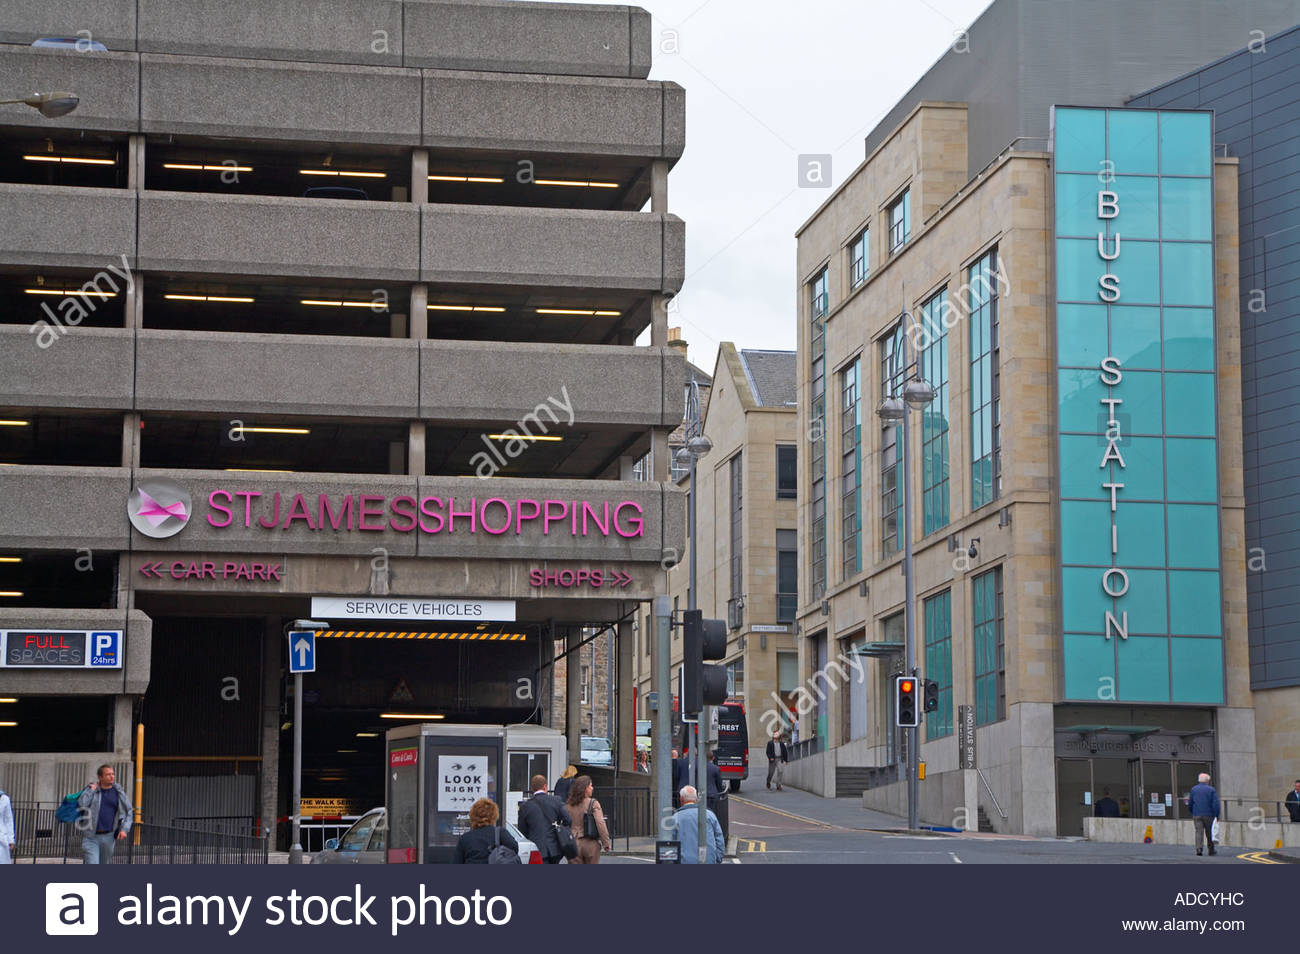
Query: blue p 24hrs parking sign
point(105, 650)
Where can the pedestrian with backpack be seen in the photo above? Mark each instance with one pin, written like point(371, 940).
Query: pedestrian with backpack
point(105, 817)
point(486, 842)
point(588, 822)
point(7, 836)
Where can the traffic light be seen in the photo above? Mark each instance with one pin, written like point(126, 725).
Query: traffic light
point(906, 691)
point(702, 684)
point(931, 695)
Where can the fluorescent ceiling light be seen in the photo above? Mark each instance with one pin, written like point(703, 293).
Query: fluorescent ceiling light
point(273, 430)
point(579, 311)
point(14, 593)
point(347, 751)
point(488, 179)
point(77, 160)
point(70, 291)
point(492, 308)
point(227, 298)
point(339, 303)
point(411, 715)
point(7, 725)
point(7, 699)
point(194, 167)
point(11, 559)
point(576, 182)
point(525, 437)
point(342, 172)
point(13, 423)
point(367, 735)
point(255, 470)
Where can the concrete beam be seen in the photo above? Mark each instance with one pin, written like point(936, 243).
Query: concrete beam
point(86, 368)
point(36, 229)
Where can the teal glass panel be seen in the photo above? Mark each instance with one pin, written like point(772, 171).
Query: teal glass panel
point(1189, 404)
point(1077, 270)
point(1143, 473)
point(1185, 147)
point(1133, 140)
point(1187, 273)
point(1141, 534)
point(1085, 532)
point(1083, 601)
point(1080, 404)
point(1138, 268)
point(1192, 466)
point(1194, 536)
point(1135, 336)
point(1143, 669)
point(1080, 139)
point(1081, 335)
point(1139, 209)
point(1076, 205)
point(1194, 603)
point(1145, 601)
point(1189, 339)
point(1081, 475)
point(1140, 392)
point(1089, 667)
point(1197, 670)
point(1185, 207)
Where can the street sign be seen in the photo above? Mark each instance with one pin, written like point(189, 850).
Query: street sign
point(61, 648)
point(302, 651)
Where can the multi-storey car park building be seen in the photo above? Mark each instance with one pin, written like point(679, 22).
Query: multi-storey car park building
point(1069, 272)
point(315, 299)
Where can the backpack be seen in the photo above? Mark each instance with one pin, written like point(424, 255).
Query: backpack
point(501, 854)
point(69, 810)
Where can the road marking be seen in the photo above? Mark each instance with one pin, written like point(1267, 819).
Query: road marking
point(751, 845)
point(1260, 857)
point(765, 827)
point(801, 818)
point(954, 857)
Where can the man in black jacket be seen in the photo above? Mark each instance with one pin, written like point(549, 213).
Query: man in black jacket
point(777, 755)
point(1293, 802)
point(536, 818)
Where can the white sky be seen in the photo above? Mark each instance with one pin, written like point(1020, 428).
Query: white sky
point(765, 81)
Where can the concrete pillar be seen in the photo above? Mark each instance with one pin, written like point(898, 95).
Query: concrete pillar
point(415, 450)
point(659, 185)
point(660, 454)
point(272, 646)
point(131, 440)
point(397, 325)
point(135, 162)
point(658, 321)
point(133, 309)
point(419, 322)
point(625, 648)
point(123, 728)
point(419, 176)
point(627, 468)
point(573, 696)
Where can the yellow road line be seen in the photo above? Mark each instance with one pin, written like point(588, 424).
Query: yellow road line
point(1260, 857)
point(777, 811)
point(751, 845)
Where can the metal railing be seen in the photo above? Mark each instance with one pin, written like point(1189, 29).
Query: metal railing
point(315, 831)
point(227, 824)
point(1248, 809)
point(806, 747)
point(39, 835)
point(989, 788)
point(629, 813)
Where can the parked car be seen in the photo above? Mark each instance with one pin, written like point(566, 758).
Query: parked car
point(366, 843)
point(596, 751)
point(78, 43)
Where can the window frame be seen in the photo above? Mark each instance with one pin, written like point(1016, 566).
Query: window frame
point(937, 609)
point(994, 626)
point(860, 257)
point(899, 232)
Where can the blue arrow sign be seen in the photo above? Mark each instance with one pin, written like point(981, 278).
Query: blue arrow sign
point(302, 651)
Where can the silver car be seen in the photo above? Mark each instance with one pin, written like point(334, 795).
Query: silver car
point(366, 843)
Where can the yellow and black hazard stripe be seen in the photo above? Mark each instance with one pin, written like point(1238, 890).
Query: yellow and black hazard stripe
point(479, 636)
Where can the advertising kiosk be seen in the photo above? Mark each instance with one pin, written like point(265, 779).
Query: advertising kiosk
point(435, 772)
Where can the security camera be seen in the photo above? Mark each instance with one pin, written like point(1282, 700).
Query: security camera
point(973, 552)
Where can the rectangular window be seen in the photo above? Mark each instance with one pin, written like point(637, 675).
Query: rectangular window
point(851, 466)
point(817, 435)
point(900, 229)
point(737, 528)
point(934, 416)
point(891, 378)
point(787, 469)
point(859, 259)
point(736, 677)
point(586, 684)
point(891, 631)
point(985, 384)
point(938, 661)
point(990, 648)
point(787, 575)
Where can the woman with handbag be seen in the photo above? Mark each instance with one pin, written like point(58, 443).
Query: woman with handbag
point(588, 822)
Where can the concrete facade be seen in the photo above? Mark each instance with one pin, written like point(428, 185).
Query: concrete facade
point(376, 349)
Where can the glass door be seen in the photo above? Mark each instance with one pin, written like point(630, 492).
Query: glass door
point(1074, 795)
point(1158, 778)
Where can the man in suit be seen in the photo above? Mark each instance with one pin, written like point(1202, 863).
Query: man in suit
point(681, 775)
point(1293, 803)
point(536, 820)
point(1106, 806)
point(777, 755)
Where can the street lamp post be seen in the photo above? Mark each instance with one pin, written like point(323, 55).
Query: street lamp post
point(49, 105)
point(916, 394)
point(697, 447)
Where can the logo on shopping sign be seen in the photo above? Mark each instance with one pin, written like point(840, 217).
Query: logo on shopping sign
point(159, 508)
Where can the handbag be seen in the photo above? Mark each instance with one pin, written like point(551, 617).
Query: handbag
point(589, 827)
point(501, 854)
point(564, 835)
